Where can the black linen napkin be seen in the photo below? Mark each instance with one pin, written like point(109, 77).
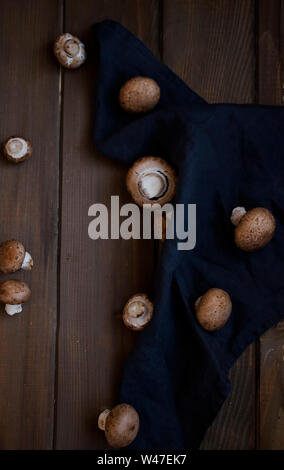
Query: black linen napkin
point(226, 156)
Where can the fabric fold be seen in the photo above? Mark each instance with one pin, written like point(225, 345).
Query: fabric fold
point(225, 155)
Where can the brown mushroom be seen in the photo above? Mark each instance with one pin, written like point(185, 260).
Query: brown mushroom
point(13, 294)
point(17, 149)
point(137, 312)
point(69, 51)
point(139, 95)
point(213, 309)
point(151, 180)
point(121, 425)
point(13, 256)
point(254, 229)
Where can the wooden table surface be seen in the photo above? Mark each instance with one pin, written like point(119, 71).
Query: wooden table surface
point(61, 359)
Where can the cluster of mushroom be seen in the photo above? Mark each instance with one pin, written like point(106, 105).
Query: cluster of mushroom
point(253, 230)
point(152, 180)
point(121, 424)
point(71, 53)
point(13, 293)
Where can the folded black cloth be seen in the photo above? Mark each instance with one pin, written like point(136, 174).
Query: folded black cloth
point(225, 156)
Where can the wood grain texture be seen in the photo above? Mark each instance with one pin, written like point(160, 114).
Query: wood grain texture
point(271, 91)
point(271, 52)
point(29, 81)
point(221, 48)
point(97, 277)
point(210, 44)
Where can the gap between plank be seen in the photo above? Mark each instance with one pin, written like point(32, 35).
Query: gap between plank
point(257, 342)
point(62, 7)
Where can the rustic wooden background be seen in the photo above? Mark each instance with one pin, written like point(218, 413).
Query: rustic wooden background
point(61, 359)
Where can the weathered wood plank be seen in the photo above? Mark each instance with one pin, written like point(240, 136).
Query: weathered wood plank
point(271, 52)
point(97, 277)
point(210, 44)
point(29, 84)
point(271, 91)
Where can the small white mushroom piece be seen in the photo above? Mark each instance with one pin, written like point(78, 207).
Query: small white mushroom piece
point(237, 215)
point(12, 309)
point(27, 263)
point(102, 419)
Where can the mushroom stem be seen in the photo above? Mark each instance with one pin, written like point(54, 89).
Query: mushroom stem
point(17, 147)
point(237, 215)
point(12, 309)
point(71, 47)
point(28, 262)
point(102, 419)
point(153, 184)
point(136, 309)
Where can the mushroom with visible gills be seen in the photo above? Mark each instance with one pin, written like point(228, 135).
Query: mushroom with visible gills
point(69, 51)
point(254, 229)
point(13, 294)
point(139, 95)
point(121, 425)
point(151, 180)
point(13, 257)
point(213, 309)
point(137, 312)
point(17, 149)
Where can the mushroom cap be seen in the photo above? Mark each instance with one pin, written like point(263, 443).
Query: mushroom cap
point(139, 95)
point(151, 180)
point(12, 255)
point(255, 230)
point(69, 51)
point(137, 312)
point(14, 292)
point(17, 149)
point(121, 426)
point(213, 309)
